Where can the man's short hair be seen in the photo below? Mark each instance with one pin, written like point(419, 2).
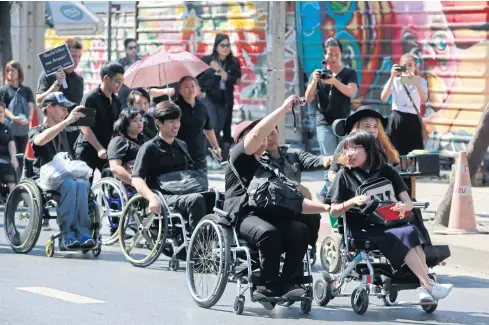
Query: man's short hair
point(167, 111)
point(332, 42)
point(131, 99)
point(110, 69)
point(73, 43)
point(129, 40)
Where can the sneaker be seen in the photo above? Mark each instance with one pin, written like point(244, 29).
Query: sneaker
point(261, 296)
point(72, 243)
point(440, 291)
point(293, 292)
point(45, 225)
point(87, 242)
point(424, 295)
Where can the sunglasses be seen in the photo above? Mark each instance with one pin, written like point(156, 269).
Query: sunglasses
point(224, 45)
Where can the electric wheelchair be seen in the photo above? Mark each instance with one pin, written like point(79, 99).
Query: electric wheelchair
point(167, 233)
point(216, 252)
point(359, 260)
point(28, 205)
point(111, 194)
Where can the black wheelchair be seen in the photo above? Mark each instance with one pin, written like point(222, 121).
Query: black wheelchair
point(144, 236)
point(217, 255)
point(360, 261)
point(26, 208)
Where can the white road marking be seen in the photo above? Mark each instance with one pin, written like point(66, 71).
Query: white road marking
point(62, 295)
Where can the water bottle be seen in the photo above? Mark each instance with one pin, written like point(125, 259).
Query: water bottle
point(222, 85)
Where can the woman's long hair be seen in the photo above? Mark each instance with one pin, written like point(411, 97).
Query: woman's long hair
point(383, 141)
point(16, 65)
point(122, 123)
point(375, 159)
point(414, 58)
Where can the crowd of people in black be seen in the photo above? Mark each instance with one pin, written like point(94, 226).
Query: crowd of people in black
point(143, 134)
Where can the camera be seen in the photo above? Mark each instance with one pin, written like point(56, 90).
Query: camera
point(325, 73)
point(401, 69)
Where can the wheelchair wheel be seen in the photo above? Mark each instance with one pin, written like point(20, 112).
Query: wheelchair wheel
point(430, 308)
point(208, 260)
point(111, 197)
point(330, 253)
point(323, 292)
point(140, 230)
point(390, 298)
point(22, 217)
point(359, 301)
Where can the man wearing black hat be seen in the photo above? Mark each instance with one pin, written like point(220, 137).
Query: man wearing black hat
point(47, 140)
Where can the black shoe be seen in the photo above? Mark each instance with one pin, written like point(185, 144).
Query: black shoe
point(261, 295)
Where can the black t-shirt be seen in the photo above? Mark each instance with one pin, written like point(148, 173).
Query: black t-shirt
point(125, 149)
point(5, 137)
point(7, 93)
point(106, 114)
point(346, 184)
point(332, 103)
point(75, 83)
point(44, 154)
point(194, 121)
point(149, 129)
point(157, 157)
point(246, 166)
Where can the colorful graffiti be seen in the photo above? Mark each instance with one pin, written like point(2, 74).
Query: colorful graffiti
point(450, 39)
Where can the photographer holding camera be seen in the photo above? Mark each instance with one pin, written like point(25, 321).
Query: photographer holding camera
point(333, 87)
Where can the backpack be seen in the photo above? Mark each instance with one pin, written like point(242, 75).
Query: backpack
point(18, 106)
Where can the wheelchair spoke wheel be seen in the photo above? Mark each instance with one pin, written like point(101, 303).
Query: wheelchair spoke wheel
point(208, 260)
point(22, 220)
point(330, 253)
point(141, 234)
point(111, 197)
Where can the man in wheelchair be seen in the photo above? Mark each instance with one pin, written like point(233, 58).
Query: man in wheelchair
point(165, 155)
point(400, 244)
point(47, 140)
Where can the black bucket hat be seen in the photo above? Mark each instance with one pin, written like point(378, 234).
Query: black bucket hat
point(343, 127)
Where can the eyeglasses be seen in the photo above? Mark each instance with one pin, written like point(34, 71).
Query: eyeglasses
point(352, 149)
point(119, 81)
point(224, 45)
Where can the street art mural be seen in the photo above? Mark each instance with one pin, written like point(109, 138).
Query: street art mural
point(450, 38)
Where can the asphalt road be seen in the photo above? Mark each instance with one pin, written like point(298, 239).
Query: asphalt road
point(109, 290)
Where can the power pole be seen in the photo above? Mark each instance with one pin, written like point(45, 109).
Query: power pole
point(5, 38)
point(276, 58)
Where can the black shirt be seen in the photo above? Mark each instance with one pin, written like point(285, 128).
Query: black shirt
point(7, 93)
point(5, 137)
point(149, 130)
point(157, 157)
point(125, 149)
point(194, 121)
point(246, 167)
point(44, 154)
point(346, 184)
point(106, 114)
point(75, 83)
point(332, 103)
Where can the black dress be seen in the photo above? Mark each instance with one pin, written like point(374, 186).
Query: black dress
point(393, 243)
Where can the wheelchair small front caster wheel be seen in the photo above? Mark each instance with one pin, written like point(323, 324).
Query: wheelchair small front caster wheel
point(390, 298)
point(323, 292)
point(306, 306)
point(50, 248)
point(174, 264)
point(239, 305)
point(359, 301)
point(97, 250)
point(429, 308)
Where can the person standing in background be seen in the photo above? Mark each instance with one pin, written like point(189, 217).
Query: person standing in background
point(74, 82)
point(217, 83)
point(131, 48)
point(332, 88)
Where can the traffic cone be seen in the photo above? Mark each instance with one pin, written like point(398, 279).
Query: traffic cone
point(462, 215)
point(29, 153)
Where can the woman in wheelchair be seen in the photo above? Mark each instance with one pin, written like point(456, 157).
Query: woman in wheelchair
point(403, 244)
point(271, 234)
point(124, 147)
point(8, 160)
point(47, 140)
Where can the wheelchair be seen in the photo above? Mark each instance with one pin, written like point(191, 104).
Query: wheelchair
point(167, 233)
point(360, 261)
point(215, 251)
point(111, 195)
point(28, 205)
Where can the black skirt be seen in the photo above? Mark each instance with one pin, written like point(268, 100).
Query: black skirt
point(405, 132)
point(393, 243)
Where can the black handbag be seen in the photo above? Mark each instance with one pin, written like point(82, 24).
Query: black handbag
point(272, 193)
point(184, 181)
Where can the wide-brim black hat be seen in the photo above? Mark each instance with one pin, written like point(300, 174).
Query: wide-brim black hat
point(343, 127)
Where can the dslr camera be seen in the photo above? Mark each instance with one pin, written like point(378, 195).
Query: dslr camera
point(401, 69)
point(325, 73)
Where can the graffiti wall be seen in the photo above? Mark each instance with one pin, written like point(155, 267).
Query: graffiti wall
point(450, 38)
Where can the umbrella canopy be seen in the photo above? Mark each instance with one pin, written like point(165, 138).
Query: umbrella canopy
point(163, 68)
point(69, 18)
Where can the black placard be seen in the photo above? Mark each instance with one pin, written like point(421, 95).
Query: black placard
point(59, 57)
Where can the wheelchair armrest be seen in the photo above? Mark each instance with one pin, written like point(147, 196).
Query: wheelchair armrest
point(19, 156)
point(223, 214)
point(421, 205)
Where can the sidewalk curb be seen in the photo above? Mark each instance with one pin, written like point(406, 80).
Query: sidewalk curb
point(465, 257)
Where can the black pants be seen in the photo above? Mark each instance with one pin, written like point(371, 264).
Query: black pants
point(90, 157)
point(272, 238)
point(20, 145)
point(193, 206)
point(313, 222)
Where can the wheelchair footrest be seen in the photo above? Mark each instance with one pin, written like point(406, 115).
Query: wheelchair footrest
point(435, 254)
point(306, 279)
